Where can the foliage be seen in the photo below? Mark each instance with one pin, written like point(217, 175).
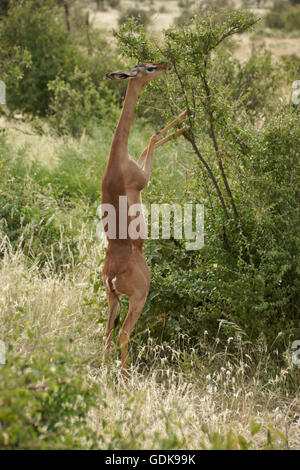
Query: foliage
point(45, 68)
point(283, 16)
point(185, 16)
point(141, 16)
point(47, 404)
point(274, 19)
point(235, 441)
point(113, 3)
point(247, 272)
point(13, 63)
point(39, 206)
point(291, 65)
point(44, 403)
point(38, 33)
point(77, 105)
point(185, 3)
point(251, 86)
point(4, 7)
point(103, 4)
point(32, 220)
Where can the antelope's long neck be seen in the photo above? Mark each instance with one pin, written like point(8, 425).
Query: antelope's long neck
point(121, 135)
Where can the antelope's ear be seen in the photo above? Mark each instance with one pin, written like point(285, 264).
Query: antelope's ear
point(122, 74)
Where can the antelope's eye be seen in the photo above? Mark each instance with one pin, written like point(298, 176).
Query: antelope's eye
point(151, 69)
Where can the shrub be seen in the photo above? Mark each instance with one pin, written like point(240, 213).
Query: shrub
point(113, 3)
point(283, 16)
point(40, 32)
point(292, 20)
point(4, 7)
point(141, 16)
point(100, 4)
point(291, 64)
point(185, 3)
point(31, 215)
point(77, 105)
point(247, 271)
point(274, 19)
point(255, 83)
point(43, 64)
point(34, 222)
point(185, 17)
point(44, 403)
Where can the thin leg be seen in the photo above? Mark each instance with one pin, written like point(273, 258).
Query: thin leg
point(142, 158)
point(135, 309)
point(169, 137)
point(113, 304)
point(181, 116)
point(149, 157)
point(147, 154)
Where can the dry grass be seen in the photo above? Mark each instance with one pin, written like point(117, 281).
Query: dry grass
point(277, 46)
point(108, 19)
point(38, 137)
point(174, 394)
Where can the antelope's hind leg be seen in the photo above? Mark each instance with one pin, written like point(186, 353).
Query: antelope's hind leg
point(113, 305)
point(135, 283)
point(136, 305)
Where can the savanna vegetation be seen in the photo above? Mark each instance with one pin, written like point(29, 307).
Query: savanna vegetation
point(212, 358)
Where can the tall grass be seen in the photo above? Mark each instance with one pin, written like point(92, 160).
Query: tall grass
point(178, 396)
point(173, 396)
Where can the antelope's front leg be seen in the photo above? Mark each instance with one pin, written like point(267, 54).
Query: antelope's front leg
point(142, 158)
point(149, 157)
point(175, 121)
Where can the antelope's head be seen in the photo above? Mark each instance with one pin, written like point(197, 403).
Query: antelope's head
point(143, 73)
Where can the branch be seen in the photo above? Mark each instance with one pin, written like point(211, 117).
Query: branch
point(207, 167)
point(232, 31)
point(192, 141)
point(216, 147)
